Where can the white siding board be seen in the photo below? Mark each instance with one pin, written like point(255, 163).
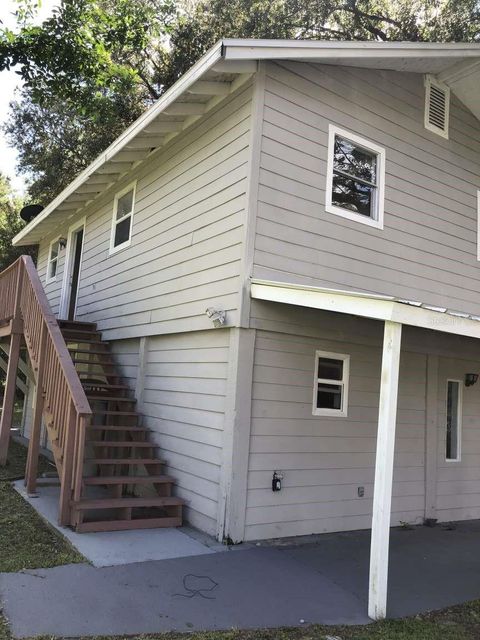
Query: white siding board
point(184, 405)
point(427, 249)
point(324, 461)
point(186, 238)
point(458, 487)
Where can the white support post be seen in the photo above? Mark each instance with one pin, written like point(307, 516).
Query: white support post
point(382, 495)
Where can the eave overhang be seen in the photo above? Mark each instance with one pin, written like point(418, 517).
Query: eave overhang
point(368, 305)
point(220, 72)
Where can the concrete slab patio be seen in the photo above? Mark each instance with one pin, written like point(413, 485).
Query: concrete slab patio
point(324, 581)
point(254, 588)
point(121, 547)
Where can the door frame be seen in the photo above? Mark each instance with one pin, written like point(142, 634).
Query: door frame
point(68, 268)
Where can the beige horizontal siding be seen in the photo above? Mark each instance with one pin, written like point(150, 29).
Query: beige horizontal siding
point(458, 482)
point(183, 404)
point(427, 250)
point(324, 460)
point(53, 289)
point(187, 234)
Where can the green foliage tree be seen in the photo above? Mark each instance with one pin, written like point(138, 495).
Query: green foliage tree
point(87, 74)
point(206, 21)
point(10, 224)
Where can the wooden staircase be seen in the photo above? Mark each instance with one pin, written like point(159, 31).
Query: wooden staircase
point(122, 485)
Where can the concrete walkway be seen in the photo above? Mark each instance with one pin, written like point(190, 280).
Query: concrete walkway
point(322, 581)
point(245, 589)
point(121, 547)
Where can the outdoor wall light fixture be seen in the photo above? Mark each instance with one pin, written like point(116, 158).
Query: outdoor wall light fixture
point(470, 379)
point(217, 316)
point(62, 243)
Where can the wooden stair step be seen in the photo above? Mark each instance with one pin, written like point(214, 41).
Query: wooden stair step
point(71, 334)
point(126, 461)
point(103, 385)
point(98, 363)
point(85, 341)
point(76, 324)
point(64, 322)
point(123, 443)
point(91, 352)
point(123, 525)
point(115, 427)
point(107, 412)
point(120, 503)
point(99, 480)
point(110, 398)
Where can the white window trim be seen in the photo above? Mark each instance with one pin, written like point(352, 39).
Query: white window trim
point(118, 195)
point(429, 81)
point(459, 421)
point(478, 224)
point(376, 222)
point(344, 382)
point(49, 279)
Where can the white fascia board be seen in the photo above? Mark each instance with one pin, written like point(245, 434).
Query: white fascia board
point(202, 66)
point(236, 49)
point(367, 306)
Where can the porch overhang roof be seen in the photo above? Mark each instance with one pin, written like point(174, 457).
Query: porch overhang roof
point(221, 71)
point(369, 305)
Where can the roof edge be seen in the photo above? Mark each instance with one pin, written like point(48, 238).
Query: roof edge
point(207, 61)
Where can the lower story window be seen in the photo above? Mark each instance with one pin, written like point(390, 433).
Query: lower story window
point(454, 419)
point(330, 392)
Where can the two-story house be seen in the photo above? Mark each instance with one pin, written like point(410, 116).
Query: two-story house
point(283, 256)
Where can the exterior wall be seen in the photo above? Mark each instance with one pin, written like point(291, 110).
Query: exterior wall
point(183, 403)
point(187, 236)
point(53, 289)
point(458, 482)
point(427, 249)
point(325, 460)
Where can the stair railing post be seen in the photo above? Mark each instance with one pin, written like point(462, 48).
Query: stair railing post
point(34, 441)
point(68, 465)
point(11, 382)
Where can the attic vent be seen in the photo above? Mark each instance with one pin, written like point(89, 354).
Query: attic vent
point(437, 106)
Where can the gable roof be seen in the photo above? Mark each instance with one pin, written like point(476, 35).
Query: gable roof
point(221, 71)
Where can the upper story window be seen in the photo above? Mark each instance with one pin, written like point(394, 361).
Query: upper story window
point(330, 390)
point(437, 106)
point(122, 218)
point(52, 266)
point(355, 178)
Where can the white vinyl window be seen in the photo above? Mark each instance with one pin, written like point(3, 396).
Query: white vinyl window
point(355, 178)
point(122, 222)
point(437, 106)
point(330, 390)
point(52, 266)
point(454, 420)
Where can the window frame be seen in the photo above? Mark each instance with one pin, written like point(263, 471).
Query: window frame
point(115, 249)
point(371, 147)
point(459, 420)
point(344, 383)
point(49, 278)
point(429, 82)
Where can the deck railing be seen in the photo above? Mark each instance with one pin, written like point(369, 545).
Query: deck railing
point(65, 406)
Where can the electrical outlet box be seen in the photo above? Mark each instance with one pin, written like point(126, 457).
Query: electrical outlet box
point(360, 492)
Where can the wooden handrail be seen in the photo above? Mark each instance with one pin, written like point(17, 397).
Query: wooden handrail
point(65, 406)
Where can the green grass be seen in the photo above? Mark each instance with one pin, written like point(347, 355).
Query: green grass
point(458, 623)
point(17, 458)
point(27, 542)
